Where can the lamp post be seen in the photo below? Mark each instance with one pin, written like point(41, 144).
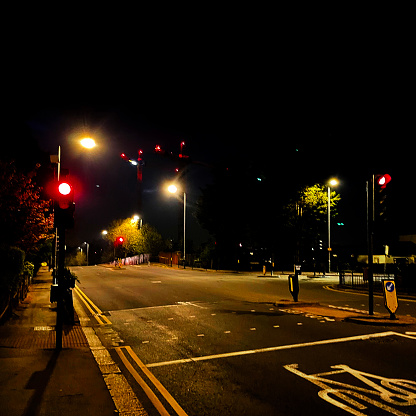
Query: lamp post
point(173, 189)
point(88, 249)
point(59, 261)
point(332, 182)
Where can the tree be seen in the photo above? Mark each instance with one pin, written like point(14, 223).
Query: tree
point(152, 241)
point(306, 216)
point(24, 219)
point(146, 240)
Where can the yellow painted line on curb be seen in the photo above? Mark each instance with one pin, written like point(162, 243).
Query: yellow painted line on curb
point(159, 386)
point(147, 390)
point(97, 313)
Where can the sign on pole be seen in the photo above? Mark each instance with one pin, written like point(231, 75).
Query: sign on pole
point(390, 297)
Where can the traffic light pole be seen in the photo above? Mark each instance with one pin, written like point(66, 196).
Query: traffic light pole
point(370, 243)
point(61, 289)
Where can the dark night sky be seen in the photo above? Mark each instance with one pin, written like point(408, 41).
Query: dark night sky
point(245, 93)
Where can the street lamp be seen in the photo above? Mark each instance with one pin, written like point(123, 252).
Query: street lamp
point(332, 182)
point(173, 189)
point(88, 142)
point(137, 220)
point(88, 248)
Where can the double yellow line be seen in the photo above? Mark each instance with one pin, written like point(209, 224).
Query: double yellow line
point(94, 309)
point(149, 392)
point(125, 351)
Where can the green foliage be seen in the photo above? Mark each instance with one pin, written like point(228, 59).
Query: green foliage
point(207, 254)
point(12, 263)
point(306, 216)
point(77, 259)
point(28, 268)
point(69, 278)
point(311, 205)
point(146, 240)
point(152, 242)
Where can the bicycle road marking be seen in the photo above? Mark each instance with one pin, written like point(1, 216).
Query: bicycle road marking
point(396, 392)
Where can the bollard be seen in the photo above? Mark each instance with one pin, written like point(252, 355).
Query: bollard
point(294, 286)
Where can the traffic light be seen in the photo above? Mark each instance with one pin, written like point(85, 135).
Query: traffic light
point(119, 241)
point(380, 195)
point(64, 205)
point(383, 180)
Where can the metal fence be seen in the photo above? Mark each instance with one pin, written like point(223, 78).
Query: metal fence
point(139, 259)
point(355, 279)
point(405, 282)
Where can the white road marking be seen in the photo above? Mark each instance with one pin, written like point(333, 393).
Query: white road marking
point(346, 308)
point(363, 294)
point(227, 332)
point(252, 329)
point(162, 306)
point(155, 281)
point(191, 304)
point(403, 390)
point(280, 348)
point(43, 328)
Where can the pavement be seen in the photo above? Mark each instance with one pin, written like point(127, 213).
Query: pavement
point(35, 378)
point(346, 314)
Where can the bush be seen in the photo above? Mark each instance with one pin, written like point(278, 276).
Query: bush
point(28, 269)
point(12, 267)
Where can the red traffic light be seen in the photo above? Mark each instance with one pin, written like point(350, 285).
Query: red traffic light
point(64, 195)
point(119, 241)
point(64, 205)
point(64, 188)
point(383, 180)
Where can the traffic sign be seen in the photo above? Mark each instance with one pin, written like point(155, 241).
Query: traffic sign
point(390, 297)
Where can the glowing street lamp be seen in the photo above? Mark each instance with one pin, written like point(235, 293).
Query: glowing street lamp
point(173, 189)
point(88, 143)
point(332, 182)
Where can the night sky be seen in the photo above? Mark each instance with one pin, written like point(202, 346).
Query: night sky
point(310, 110)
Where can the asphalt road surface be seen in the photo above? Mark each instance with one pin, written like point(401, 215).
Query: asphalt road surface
point(209, 343)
